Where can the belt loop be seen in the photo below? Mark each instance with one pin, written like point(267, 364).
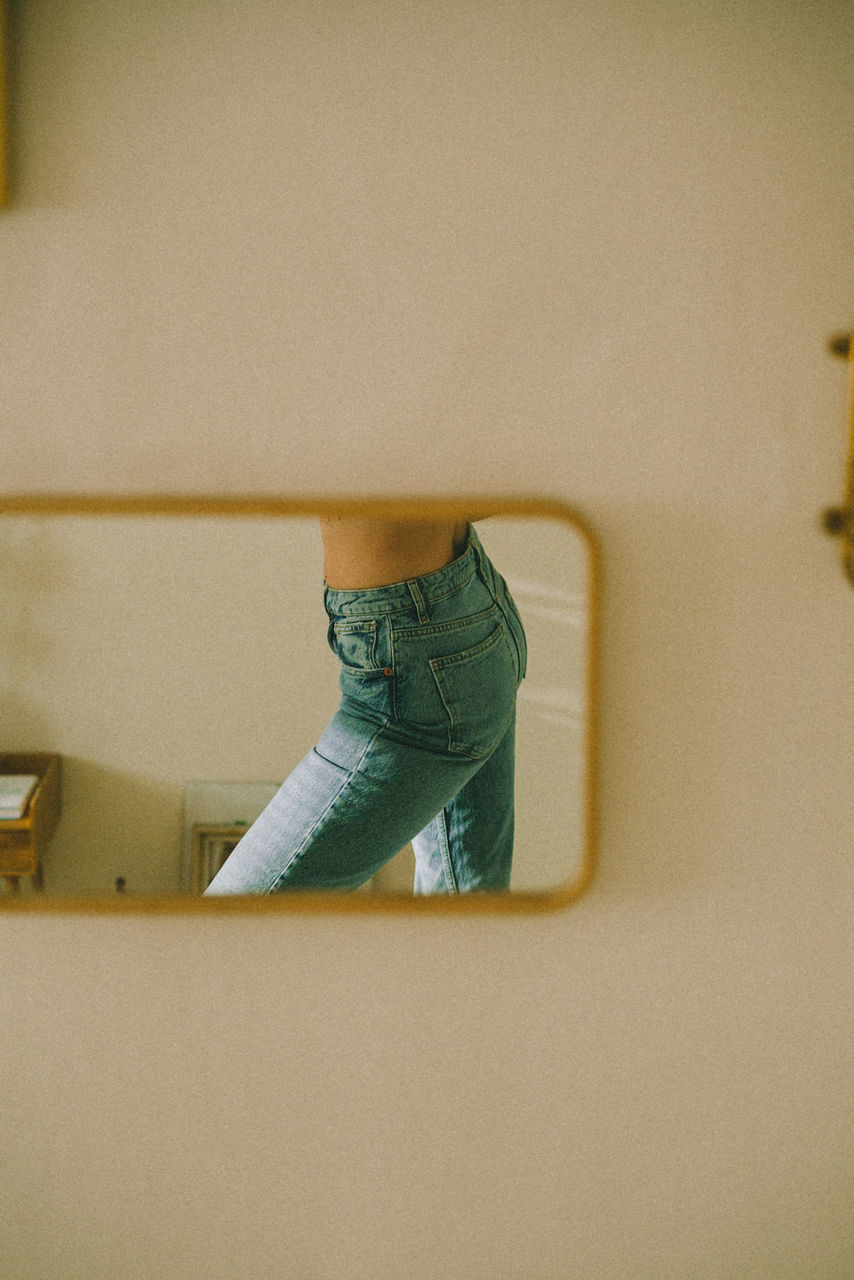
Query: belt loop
point(423, 615)
point(476, 546)
point(484, 564)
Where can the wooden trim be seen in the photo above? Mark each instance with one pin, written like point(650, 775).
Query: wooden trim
point(275, 506)
point(4, 105)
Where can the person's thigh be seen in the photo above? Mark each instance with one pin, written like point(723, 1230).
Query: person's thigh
point(468, 845)
point(428, 676)
point(353, 802)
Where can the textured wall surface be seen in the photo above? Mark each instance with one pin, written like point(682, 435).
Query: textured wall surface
point(593, 251)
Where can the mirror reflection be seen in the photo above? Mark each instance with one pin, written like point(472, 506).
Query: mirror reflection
point(247, 705)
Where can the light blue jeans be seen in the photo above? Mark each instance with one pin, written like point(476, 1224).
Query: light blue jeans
point(421, 748)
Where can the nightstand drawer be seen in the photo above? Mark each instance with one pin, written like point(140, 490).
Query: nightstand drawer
point(17, 854)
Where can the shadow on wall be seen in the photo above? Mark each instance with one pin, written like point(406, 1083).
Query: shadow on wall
point(33, 567)
point(132, 822)
point(133, 826)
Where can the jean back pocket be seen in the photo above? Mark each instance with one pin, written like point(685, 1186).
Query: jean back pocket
point(478, 689)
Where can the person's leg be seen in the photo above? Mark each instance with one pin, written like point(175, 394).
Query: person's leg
point(428, 671)
point(468, 845)
point(351, 804)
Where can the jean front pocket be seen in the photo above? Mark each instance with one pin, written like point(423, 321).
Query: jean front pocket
point(478, 689)
point(363, 677)
point(355, 644)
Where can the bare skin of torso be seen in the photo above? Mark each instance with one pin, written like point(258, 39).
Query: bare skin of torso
point(360, 554)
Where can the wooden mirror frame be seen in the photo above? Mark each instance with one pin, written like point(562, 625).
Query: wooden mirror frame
point(274, 507)
point(4, 107)
point(839, 521)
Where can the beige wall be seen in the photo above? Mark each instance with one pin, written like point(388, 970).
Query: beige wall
point(592, 251)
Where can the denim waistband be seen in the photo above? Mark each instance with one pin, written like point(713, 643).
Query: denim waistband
point(402, 595)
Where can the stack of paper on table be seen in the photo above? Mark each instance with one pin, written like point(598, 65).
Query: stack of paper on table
point(15, 792)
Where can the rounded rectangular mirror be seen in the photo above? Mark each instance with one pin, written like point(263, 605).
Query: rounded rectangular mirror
point(167, 665)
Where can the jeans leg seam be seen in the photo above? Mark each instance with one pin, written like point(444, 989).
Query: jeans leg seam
point(447, 861)
point(320, 818)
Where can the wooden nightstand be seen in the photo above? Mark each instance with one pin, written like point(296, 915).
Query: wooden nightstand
point(23, 840)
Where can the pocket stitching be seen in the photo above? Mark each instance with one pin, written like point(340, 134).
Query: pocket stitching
point(368, 628)
point(451, 659)
point(438, 665)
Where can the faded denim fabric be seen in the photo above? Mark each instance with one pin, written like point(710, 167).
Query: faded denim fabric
point(420, 749)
